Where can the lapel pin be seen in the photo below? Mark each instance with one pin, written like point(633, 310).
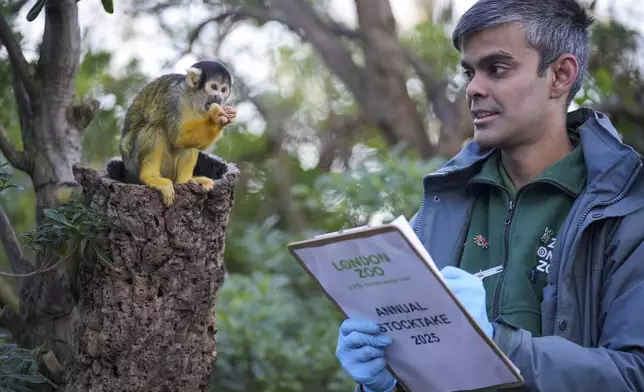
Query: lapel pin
point(481, 241)
point(547, 235)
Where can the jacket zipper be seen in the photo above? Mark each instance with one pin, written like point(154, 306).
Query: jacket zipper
point(510, 213)
point(508, 221)
point(420, 215)
point(506, 240)
point(506, 246)
point(614, 200)
point(610, 202)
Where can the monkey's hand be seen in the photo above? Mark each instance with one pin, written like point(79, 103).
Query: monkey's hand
point(221, 116)
point(227, 116)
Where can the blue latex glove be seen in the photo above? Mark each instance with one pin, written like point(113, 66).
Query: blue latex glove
point(470, 291)
point(361, 353)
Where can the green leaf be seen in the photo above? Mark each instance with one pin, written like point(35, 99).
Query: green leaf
point(102, 255)
point(108, 6)
point(35, 10)
point(35, 379)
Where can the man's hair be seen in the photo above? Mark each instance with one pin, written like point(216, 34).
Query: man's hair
point(551, 27)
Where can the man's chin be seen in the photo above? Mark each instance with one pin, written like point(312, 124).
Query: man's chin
point(487, 138)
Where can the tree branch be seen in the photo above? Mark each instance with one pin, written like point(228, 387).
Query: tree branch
point(16, 325)
point(53, 365)
point(337, 140)
point(617, 112)
point(276, 116)
point(454, 117)
point(302, 19)
point(236, 15)
point(386, 69)
point(18, 61)
point(435, 88)
point(19, 264)
point(23, 103)
point(246, 12)
point(14, 8)
point(60, 52)
point(83, 113)
point(17, 159)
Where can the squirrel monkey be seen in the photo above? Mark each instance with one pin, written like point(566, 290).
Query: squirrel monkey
point(170, 121)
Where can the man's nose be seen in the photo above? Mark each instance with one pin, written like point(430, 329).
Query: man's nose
point(476, 87)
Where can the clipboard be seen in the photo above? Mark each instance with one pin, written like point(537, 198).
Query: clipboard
point(400, 231)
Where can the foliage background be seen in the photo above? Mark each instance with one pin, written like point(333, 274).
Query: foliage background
point(309, 165)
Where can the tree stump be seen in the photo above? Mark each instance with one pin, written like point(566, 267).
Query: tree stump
point(147, 321)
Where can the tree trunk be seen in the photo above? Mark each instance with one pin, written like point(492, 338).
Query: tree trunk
point(146, 322)
point(386, 99)
point(51, 124)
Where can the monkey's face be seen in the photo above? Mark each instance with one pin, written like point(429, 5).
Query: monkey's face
point(217, 91)
point(209, 83)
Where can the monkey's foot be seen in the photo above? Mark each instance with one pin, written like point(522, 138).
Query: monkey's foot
point(206, 183)
point(167, 193)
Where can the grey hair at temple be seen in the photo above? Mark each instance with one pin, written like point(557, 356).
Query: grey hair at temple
point(551, 27)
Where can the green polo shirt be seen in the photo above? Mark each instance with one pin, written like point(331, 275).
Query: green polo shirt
point(521, 238)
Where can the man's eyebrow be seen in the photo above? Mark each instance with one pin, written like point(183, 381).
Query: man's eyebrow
point(490, 58)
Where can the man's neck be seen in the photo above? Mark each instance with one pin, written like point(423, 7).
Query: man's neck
point(524, 164)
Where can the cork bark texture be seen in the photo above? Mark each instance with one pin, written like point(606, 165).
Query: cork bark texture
point(147, 322)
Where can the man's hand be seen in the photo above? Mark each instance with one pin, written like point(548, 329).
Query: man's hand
point(470, 292)
point(361, 353)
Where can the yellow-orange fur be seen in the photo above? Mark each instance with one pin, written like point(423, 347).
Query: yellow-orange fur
point(173, 163)
point(167, 125)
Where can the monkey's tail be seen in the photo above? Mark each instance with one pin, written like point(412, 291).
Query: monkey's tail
point(116, 169)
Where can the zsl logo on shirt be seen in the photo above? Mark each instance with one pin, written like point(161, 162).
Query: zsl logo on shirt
point(544, 252)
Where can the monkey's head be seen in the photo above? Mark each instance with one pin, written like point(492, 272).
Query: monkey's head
point(208, 82)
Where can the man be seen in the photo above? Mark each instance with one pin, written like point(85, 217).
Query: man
point(553, 197)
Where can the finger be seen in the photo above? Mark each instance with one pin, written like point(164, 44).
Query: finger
point(453, 276)
point(367, 353)
point(351, 325)
point(461, 286)
point(450, 272)
point(357, 339)
point(376, 365)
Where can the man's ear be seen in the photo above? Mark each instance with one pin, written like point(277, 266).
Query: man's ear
point(564, 73)
point(193, 76)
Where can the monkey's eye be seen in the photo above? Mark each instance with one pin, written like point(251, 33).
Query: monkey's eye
point(223, 89)
point(213, 86)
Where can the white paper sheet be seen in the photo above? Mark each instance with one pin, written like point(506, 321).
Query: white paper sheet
point(381, 278)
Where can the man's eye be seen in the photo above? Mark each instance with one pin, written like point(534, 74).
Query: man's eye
point(468, 74)
point(498, 71)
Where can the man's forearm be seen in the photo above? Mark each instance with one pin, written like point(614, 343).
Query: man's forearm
point(552, 363)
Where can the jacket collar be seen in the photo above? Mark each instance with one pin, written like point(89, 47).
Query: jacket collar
point(609, 162)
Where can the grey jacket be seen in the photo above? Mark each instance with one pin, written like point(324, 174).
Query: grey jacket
point(592, 318)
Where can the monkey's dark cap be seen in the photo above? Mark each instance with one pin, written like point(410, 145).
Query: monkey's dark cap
point(213, 68)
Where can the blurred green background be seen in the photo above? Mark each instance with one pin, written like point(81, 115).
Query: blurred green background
point(313, 155)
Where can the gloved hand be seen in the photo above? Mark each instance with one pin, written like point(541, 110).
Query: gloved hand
point(360, 350)
point(470, 292)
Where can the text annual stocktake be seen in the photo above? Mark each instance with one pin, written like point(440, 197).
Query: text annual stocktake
point(383, 273)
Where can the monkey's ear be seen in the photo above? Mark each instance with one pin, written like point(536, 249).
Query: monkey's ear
point(193, 75)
